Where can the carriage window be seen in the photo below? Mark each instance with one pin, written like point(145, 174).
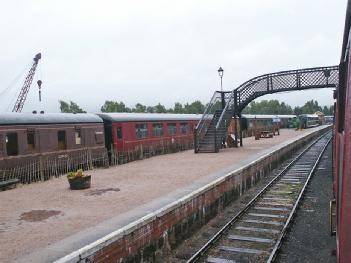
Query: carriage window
point(99, 137)
point(157, 129)
point(61, 137)
point(119, 132)
point(141, 130)
point(11, 144)
point(184, 128)
point(78, 137)
point(172, 128)
point(30, 140)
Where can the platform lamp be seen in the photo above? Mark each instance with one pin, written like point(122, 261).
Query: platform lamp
point(220, 73)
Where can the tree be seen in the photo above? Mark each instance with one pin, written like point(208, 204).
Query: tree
point(178, 108)
point(297, 110)
point(195, 108)
point(328, 110)
point(159, 108)
point(64, 106)
point(311, 107)
point(139, 108)
point(72, 107)
point(150, 109)
point(114, 106)
point(268, 107)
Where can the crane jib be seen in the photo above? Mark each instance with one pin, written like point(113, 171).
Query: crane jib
point(26, 85)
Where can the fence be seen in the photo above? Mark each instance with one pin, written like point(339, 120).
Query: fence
point(45, 166)
point(145, 151)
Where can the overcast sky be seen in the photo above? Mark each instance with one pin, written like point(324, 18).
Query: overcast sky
point(161, 51)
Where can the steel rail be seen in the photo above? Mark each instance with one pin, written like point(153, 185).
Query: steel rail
point(287, 224)
point(211, 241)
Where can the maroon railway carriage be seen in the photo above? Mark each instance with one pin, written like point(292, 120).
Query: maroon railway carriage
point(342, 149)
point(52, 140)
point(132, 131)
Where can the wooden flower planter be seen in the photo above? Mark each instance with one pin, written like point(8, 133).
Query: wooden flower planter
point(78, 183)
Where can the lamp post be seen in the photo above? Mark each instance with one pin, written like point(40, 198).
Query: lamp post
point(220, 73)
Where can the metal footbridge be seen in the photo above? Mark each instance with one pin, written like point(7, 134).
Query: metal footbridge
point(224, 105)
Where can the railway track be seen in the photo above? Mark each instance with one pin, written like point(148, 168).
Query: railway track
point(256, 232)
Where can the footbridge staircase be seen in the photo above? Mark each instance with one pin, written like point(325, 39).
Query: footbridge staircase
point(211, 130)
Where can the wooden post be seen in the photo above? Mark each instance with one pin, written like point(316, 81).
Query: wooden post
point(141, 152)
point(240, 131)
point(236, 131)
point(41, 170)
point(255, 131)
point(91, 167)
point(235, 120)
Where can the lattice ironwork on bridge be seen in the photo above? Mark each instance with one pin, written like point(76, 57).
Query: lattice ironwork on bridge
point(311, 78)
point(212, 128)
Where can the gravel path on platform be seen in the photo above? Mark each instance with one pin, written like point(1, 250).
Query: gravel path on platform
point(37, 215)
point(309, 239)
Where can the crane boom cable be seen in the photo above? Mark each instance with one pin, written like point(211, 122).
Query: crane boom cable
point(14, 81)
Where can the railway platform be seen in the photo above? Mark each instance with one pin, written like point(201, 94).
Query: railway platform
point(46, 221)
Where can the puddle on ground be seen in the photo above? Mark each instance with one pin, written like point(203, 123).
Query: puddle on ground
point(102, 191)
point(39, 215)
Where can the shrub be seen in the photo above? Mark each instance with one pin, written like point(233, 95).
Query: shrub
point(72, 175)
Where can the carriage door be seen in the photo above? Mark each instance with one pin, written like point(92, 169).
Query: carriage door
point(108, 137)
point(119, 137)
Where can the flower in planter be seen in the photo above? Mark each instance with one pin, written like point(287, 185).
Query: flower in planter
point(72, 175)
point(79, 173)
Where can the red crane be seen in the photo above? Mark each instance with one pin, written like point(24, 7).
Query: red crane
point(26, 85)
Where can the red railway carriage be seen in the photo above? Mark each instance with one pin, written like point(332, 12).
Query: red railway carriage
point(29, 139)
point(130, 131)
point(342, 149)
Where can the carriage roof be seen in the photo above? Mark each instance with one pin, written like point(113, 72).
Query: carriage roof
point(128, 117)
point(47, 118)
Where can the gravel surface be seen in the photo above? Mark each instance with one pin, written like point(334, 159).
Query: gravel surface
point(309, 239)
point(60, 212)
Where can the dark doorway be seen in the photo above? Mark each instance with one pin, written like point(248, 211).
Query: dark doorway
point(108, 137)
point(30, 141)
point(61, 136)
point(11, 144)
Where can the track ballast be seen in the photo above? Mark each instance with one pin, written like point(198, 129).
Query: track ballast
point(256, 232)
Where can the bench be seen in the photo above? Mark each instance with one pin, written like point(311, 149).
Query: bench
point(263, 134)
point(266, 134)
point(8, 184)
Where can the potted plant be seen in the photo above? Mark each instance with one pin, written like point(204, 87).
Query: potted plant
point(78, 180)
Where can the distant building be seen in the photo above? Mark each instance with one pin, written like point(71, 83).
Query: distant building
point(321, 117)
